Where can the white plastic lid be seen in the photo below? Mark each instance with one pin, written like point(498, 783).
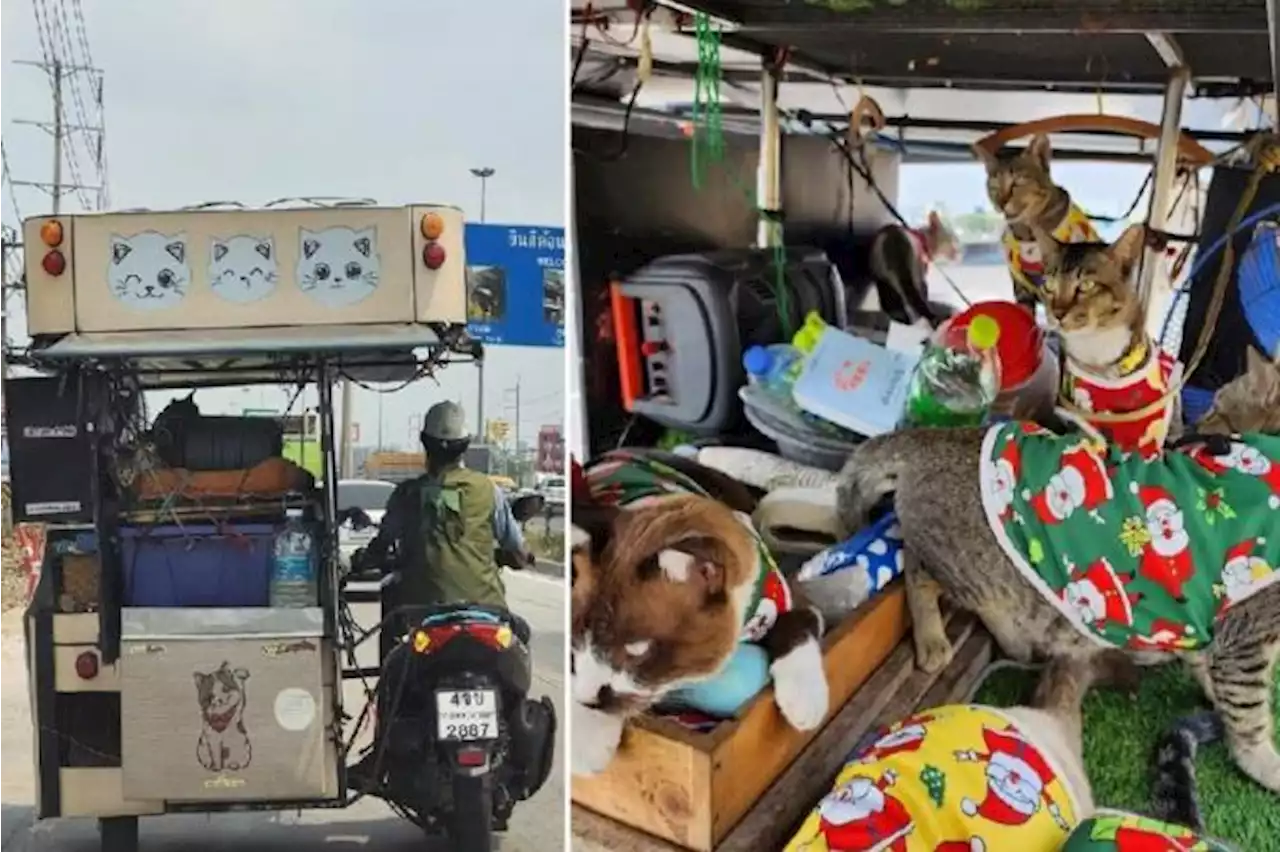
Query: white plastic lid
point(293, 513)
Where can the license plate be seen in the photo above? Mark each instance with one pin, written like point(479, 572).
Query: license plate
point(467, 714)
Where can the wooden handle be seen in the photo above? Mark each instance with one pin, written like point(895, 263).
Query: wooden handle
point(1190, 151)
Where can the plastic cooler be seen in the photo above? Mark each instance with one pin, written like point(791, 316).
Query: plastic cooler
point(197, 565)
point(1028, 368)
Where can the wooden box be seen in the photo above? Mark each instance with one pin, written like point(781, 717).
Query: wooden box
point(691, 788)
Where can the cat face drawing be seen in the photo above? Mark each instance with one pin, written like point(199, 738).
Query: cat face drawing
point(242, 269)
point(149, 271)
point(338, 266)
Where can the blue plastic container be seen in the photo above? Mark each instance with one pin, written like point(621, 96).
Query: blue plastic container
point(197, 565)
point(1196, 403)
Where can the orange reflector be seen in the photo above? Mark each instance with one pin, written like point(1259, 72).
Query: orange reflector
point(51, 233)
point(54, 263)
point(503, 636)
point(432, 226)
point(421, 641)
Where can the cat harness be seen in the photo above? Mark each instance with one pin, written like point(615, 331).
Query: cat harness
point(1023, 256)
point(952, 779)
point(1146, 554)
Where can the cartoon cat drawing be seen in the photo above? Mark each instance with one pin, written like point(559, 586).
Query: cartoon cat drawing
point(338, 266)
point(149, 271)
point(242, 269)
point(224, 742)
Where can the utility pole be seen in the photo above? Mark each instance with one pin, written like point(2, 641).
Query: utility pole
point(8, 242)
point(484, 173)
point(58, 128)
point(519, 457)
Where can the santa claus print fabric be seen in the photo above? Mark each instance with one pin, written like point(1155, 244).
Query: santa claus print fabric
point(1117, 832)
point(953, 779)
point(1143, 553)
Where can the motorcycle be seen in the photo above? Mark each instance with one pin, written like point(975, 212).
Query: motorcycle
point(459, 742)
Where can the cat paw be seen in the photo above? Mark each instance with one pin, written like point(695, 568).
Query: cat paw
point(800, 686)
point(596, 737)
point(934, 655)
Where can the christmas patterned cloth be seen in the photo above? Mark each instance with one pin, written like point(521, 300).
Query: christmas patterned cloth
point(1023, 256)
point(1122, 832)
point(1154, 372)
point(622, 478)
point(953, 779)
point(1145, 554)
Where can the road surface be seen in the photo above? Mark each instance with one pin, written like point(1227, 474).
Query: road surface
point(537, 825)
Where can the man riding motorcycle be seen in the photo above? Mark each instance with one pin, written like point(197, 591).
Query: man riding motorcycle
point(445, 524)
point(443, 528)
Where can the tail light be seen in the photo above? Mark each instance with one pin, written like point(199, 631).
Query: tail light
point(52, 234)
point(432, 226)
point(87, 665)
point(54, 263)
point(427, 640)
point(472, 757)
point(433, 255)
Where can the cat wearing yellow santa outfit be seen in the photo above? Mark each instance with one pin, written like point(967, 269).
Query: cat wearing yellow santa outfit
point(963, 778)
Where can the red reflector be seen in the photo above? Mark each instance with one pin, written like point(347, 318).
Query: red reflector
point(87, 665)
point(433, 255)
point(54, 263)
point(471, 757)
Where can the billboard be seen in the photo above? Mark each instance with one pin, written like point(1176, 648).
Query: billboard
point(550, 457)
point(515, 285)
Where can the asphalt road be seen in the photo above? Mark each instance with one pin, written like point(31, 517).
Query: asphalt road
point(537, 825)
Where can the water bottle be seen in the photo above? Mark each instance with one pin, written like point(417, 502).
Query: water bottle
point(293, 570)
point(773, 368)
point(957, 379)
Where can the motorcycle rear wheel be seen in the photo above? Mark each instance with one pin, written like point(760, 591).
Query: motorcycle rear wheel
point(471, 828)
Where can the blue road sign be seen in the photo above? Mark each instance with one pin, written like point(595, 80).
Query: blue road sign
point(515, 284)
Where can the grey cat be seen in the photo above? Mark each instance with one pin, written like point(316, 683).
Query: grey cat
point(950, 549)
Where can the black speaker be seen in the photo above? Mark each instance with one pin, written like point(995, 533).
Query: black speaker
point(50, 449)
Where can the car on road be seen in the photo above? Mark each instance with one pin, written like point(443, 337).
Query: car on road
point(553, 489)
point(369, 495)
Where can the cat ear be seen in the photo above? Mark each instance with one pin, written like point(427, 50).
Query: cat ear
point(364, 241)
point(220, 251)
point(177, 250)
point(935, 221)
point(986, 157)
point(263, 248)
point(1040, 150)
point(1128, 248)
point(696, 559)
point(119, 249)
point(1255, 362)
point(310, 247)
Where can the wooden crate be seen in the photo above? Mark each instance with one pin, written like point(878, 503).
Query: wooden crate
point(691, 788)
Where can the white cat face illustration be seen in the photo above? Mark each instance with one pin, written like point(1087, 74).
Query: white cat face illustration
point(338, 266)
point(242, 269)
point(149, 271)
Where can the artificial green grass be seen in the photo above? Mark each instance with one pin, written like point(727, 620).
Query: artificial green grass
point(1120, 733)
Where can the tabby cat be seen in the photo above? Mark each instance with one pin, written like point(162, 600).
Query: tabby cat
point(899, 260)
point(951, 548)
point(1022, 189)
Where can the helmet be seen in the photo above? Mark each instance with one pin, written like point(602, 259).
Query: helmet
point(445, 421)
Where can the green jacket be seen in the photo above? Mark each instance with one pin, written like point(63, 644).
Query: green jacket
point(1146, 554)
point(443, 530)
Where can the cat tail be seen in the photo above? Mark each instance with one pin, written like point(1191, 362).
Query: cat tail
point(1175, 795)
point(870, 474)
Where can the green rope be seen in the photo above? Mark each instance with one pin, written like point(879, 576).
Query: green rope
point(708, 148)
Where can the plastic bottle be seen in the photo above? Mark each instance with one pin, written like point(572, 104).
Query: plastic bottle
point(957, 378)
point(773, 367)
point(293, 570)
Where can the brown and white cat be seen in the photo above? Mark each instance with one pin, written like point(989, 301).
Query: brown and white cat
point(667, 580)
point(899, 260)
point(951, 549)
point(1022, 189)
point(1111, 364)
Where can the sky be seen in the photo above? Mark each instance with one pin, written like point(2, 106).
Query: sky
point(254, 100)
